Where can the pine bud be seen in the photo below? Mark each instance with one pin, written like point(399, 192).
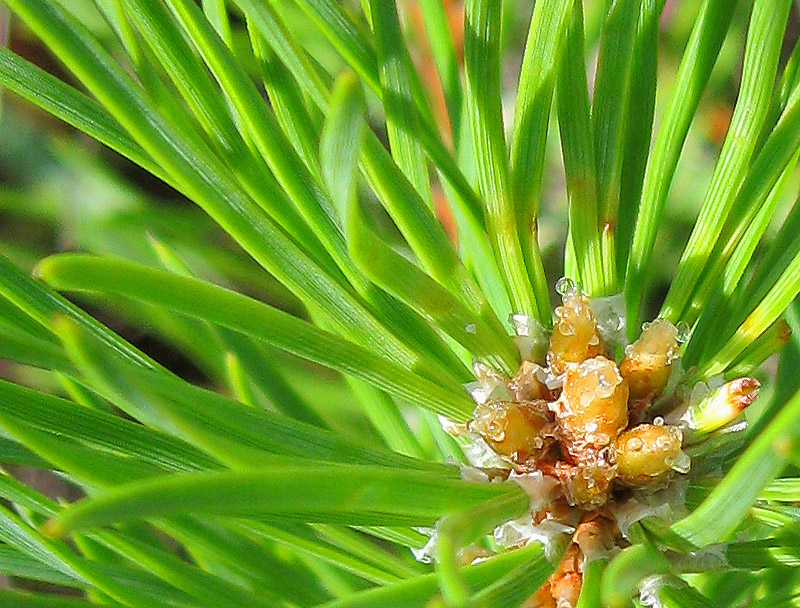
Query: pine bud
point(648, 361)
point(648, 453)
point(575, 335)
point(721, 406)
point(593, 407)
point(542, 598)
point(522, 432)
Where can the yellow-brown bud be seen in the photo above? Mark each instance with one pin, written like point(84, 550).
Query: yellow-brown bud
point(648, 361)
point(648, 453)
point(593, 407)
point(522, 432)
point(575, 337)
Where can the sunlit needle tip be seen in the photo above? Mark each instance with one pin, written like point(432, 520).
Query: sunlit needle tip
point(743, 392)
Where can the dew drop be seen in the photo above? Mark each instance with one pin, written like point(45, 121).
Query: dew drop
point(681, 463)
point(634, 444)
point(566, 286)
point(684, 331)
point(673, 354)
point(471, 328)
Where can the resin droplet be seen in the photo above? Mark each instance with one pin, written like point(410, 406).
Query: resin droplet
point(634, 444)
point(648, 361)
point(593, 407)
point(646, 454)
point(575, 336)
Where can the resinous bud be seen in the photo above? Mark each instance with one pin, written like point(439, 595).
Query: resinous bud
point(521, 432)
point(722, 406)
point(648, 453)
point(593, 407)
point(575, 336)
point(648, 361)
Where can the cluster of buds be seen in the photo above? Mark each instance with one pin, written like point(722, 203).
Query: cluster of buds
point(581, 418)
point(588, 421)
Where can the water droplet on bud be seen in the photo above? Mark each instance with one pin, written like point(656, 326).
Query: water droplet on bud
point(566, 287)
point(684, 331)
point(681, 463)
point(634, 444)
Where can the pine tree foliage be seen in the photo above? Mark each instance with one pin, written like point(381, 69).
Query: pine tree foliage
point(376, 201)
